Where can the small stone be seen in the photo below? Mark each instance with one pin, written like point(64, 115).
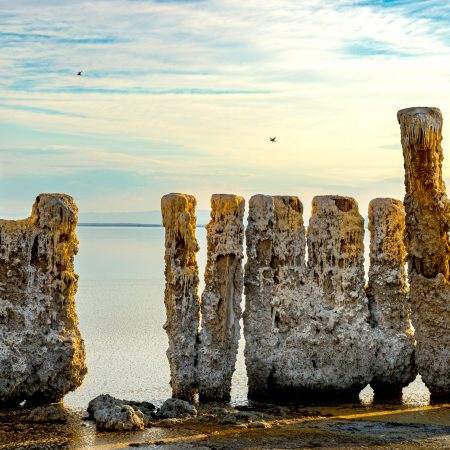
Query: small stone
point(48, 414)
point(249, 415)
point(259, 424)
point(111, 413)
point(146, 408)
point(100, 402)
point(219, 410)
point(168, 422)
point(119, 418)
point(175, 408)
point(202, 419)
point(228, 419)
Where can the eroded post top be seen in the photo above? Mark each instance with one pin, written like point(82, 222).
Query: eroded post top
point(421, 127)
point(51, 211)
point(333, 204)
point(426, 204)
point(178, 214)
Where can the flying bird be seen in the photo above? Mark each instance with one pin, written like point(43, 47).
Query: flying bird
point(79, 73)
point(273, 139)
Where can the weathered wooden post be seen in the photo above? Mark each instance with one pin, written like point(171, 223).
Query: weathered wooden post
point(221, 299)
point(427, 243)
point(181, 293)
point(273, 275)
point(387, 292)
point(42, 355)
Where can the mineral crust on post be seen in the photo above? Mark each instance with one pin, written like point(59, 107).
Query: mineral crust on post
point(221, 299)
point(181, 292)
point(336, 252)
point(42, 355)
point(387, 292)
point(427, 242)
point(328, 348)
point(307, 328)
point(275, 239)
point(260, 340)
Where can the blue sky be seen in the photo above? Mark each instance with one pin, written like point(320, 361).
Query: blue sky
point(184, 95)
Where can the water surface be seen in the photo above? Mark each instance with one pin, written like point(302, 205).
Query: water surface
point(120, 304)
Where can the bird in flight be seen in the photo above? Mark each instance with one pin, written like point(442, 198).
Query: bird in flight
point(273, 139)
point(80, 73)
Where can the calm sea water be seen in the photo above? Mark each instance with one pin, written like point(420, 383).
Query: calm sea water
point(120, 304)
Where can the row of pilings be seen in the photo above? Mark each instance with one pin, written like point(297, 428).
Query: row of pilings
point(312, 328)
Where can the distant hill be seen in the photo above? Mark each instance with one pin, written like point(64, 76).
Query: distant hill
point(132, 217)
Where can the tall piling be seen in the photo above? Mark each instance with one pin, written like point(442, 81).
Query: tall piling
point(221, 298)
point(387, 291)
point(181, 292)
point(42, 354)
point(427, 242)
point(275, 265)
point(335, 342)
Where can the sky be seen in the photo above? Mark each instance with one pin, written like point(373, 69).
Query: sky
point(182, 96)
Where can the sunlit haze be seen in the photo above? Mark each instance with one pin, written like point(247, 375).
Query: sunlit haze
point(183, 96)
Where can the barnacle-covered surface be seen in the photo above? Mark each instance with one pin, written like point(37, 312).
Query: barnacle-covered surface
point(307, 327)
point(42, 355)
point(221, 299)
point(180, 296)
point(387, 292)
point(427, 242)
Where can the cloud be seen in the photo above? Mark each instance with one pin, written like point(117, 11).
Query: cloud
point(371, 47)
point(38, 110)
point(189, 96)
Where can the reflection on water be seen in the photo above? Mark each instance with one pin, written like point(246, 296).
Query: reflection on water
point(120, 304)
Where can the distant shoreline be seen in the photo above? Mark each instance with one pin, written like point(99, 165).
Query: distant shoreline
point(125, 225)
point(120, 224)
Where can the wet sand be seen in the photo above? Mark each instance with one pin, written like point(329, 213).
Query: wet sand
point(354, 426)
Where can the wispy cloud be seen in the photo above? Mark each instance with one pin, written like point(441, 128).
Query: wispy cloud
point(187, 94)
point(38, 110)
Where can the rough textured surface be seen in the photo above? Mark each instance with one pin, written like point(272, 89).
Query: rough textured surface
point(42, 355)
point(330, 351)
point(180, 297)
point(275, 238)
point(176, 408)
point(118, 418)
point(426, 203)
point(55, 413)
point(221, 299)
point(427, 226)
point(387, 292)
point(307, 329)
point(290, 427)
point(336, 252)
point(110, 413)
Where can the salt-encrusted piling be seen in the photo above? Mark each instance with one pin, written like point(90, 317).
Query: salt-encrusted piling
point(260, 340)
point(330, 351)
point(275, 239)
point(427, 243)
point(336, 251)
point(221, 299)
point(181, 292)
point(42, 355)
point(307, 328)
point(387, 292)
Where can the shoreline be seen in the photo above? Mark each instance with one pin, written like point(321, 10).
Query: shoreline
point(260, 426)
